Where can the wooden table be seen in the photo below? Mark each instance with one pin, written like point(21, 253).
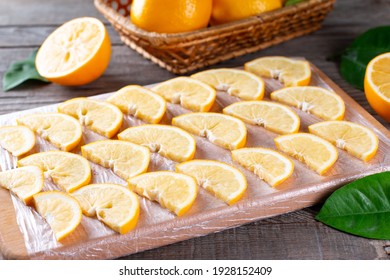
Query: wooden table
point(25, 24)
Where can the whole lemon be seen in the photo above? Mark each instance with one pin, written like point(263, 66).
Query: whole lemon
point(171, 16)
point(230, 10)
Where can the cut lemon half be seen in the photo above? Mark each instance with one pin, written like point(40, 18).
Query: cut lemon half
point(290, 72)
point(356, 139)
point(17, 139)
point(173, 191)
point(168, 141)
point(222, 130)
point(124, 158)
point(269, 165)
point(114, 205)
point(24, 182)
point(239, 83)
point(223, 181)
point(189, 93)
point(99, 116)
point(318, 101)
point(61, 130)
point(61, 211)
point(67, 170)
point(140, 103)
point(317, 153)
point(76, 53)
point(272, 116)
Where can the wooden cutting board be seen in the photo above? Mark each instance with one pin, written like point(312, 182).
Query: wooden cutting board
point(24, 235)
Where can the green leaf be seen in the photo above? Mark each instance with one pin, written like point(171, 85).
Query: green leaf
point(20, 72)
point(355, 58)
point(361, 207)
point(293, 2)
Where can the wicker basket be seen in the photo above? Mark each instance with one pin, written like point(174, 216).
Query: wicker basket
point(181, 53)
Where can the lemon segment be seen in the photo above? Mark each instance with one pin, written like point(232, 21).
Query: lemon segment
point(17, 139)
point(114, 205)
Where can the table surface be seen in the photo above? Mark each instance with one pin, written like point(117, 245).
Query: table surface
point(25, 24)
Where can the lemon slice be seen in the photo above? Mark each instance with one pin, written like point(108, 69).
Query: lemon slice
point(189, 93)
point(317, 153)
point(356, 139)
point(239, 83)
point(223, 181)
point(99, 116)
point(76, 53)
point(124, 158)
point(290, 72)
point(17, 139)
point(114, 205)
point(140, 103)
point(272, 116)
point(68, 171)
point(173, 191)
point(24, 182)
point(222, 130)
point(313, 100)
point(61, 130)
point(269, 165)
point(61, 211)
point(168, 141)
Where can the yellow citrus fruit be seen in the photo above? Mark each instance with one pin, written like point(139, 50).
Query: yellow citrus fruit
point(356, 139)
point(272, 116)
point(220, 179)
point(61, 211)
point(189, 93)
point(240, 83)
point(76, 53)
point(61, 130)
point(140, 103)
point(290, 72)
point(24, 182)
point(318, 101)
point(173, 191)
point(269, 165)
point(377, 85)
point(315, 152)
point(114, 205)
point(222, 130)
point(168, 141)
point(67, 170)
point(17, 139)
point(231, 10)
point(124, 158)
point(171, 16)
point(99, 116)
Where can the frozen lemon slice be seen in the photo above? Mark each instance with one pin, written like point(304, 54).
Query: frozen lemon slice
point(114, 205)
point(124, 158)
point(17, 139)
point(356, 139)
point(170, 142)
point(140, 103)
point(61, 130)
point(222, 130)
point(314, 100)
point(223, 181)
point(315, 152)
point(24, 182)
point(240, 83)
point(99, 116)
point(68, 171)
point(61, 211)
point(270, 115)
point(174, 191)
point(290, 72)
point(270, 166)
point(189, 93)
